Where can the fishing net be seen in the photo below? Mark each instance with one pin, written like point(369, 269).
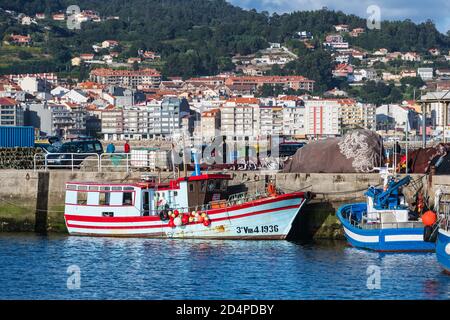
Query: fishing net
point(357, 151)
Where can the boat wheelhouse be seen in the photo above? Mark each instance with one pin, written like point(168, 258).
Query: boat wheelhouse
point(198, 206)
point(384, 222)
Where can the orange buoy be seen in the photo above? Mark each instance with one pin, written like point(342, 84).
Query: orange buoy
point(271, 190)
point(429, 218)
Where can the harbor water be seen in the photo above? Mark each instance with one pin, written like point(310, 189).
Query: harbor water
point(64, 267)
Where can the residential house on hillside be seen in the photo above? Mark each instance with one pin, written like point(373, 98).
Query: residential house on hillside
point(364, 74)
point(434, 52)
point(356, 32)
point(343, 71)
point(18, 39)
point(335, 41)
point(59, 17)
point(341, 28)
point(76, 96)
point(425, 73)
point(108, 44)
point(408, 73)
point(411, 56)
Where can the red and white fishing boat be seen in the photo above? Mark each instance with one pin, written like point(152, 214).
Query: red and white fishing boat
point(198, 206)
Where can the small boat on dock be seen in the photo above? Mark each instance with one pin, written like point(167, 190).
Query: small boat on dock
point(197, 206)
point(384, 222)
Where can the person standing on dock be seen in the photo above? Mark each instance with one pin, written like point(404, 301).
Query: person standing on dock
point(110, 148)
point(126, 147)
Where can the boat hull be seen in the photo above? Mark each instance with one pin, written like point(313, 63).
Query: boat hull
point(383, 240)
point(269, 218)
point(443, 249)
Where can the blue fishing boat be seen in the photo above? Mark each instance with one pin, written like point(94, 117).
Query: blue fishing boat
point(443, 230)
point(443, 248)
point(384, 222)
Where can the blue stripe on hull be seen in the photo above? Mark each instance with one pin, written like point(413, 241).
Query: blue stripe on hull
point(378, 239)
point(443, 258)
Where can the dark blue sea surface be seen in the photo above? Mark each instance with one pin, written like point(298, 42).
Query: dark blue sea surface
point(46, 267)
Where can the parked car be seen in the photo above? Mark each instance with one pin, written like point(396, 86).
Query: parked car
point(73, 152)
point(288, 149)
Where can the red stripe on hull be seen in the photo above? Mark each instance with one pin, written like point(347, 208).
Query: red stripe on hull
point(210, 212)
point(89, 219)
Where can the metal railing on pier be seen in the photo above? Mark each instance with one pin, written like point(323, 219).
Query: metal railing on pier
point(119, 162)
point(70, 161)
point(129, 162)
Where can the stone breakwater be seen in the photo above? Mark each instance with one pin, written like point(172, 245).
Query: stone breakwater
point(34, 201)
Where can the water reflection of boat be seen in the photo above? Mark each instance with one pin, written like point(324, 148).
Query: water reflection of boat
point(384, 222)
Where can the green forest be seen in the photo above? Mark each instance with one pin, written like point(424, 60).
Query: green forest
point(199, 37)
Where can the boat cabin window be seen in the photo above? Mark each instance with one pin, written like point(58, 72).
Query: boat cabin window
point(81, 198)
point(127, 198)
point(104, 198)
point(100, 195)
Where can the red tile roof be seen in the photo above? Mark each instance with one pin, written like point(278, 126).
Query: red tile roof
point(124, 73)
point(4, 101)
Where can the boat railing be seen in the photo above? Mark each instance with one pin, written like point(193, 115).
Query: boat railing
point(444, 211)
point(243, 197)
point(392, 225)
point(385, 225)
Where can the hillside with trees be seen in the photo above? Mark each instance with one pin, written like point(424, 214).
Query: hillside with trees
point(199, 37)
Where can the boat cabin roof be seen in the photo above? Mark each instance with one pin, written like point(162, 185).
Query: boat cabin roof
point(216, 176)
point(174, 184)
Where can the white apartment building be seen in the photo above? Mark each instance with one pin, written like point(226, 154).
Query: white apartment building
point(294, 114)
point(437, 103)
point(425, 73)
point(394, 116)
point(240, 118)
point(112, 124)
point(323, 118)
point(11, 113)
point(156, 118)
point(271, 120)
point(150, 78)
point(357, 115)
point(210, 124)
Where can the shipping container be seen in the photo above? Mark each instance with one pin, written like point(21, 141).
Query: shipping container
point(11, 137)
